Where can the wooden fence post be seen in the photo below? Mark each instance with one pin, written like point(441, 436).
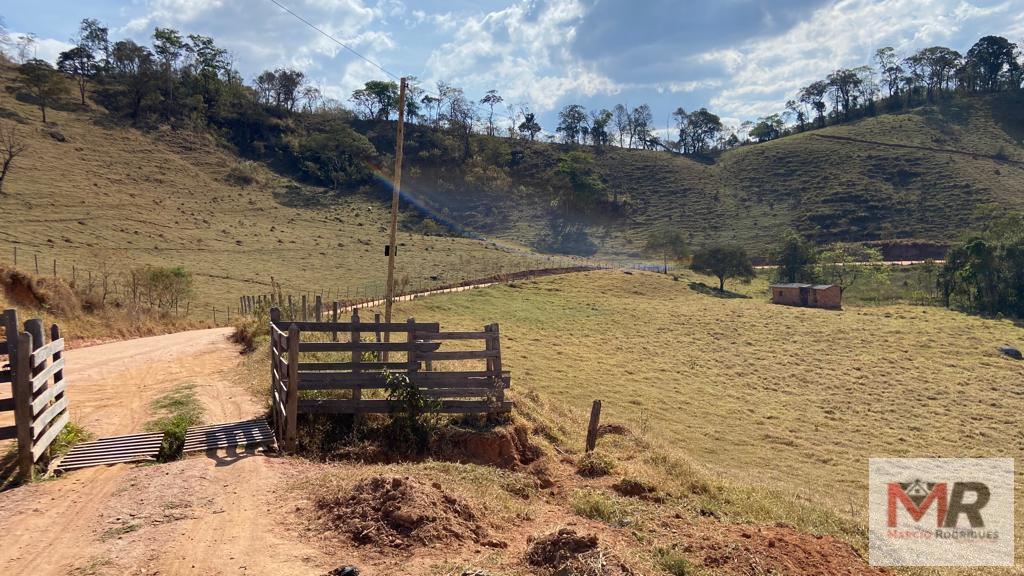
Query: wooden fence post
point(595, 422)
point(414, 364)
point(241, 304)
point(291, 426)
point(319, 308)
point(291, 309)
point(304, 318)
point(23, 404)
point(357, 358)
point(36, 256)
point(494, 345)
point(334, 318)
point(11, 327)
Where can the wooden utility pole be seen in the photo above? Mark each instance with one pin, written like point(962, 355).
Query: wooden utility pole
point(395, 192)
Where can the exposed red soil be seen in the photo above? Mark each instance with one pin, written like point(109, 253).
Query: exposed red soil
point(740, 549)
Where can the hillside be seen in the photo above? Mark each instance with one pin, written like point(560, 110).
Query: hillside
point(110, 198)
point(917, 175)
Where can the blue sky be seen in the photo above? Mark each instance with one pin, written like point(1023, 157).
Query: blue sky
point(739, 58)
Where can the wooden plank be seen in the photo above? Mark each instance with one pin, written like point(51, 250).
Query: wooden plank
point(451, 335)
point(292, 399)
point(39, 380)
point(361, 327)
point(367, 366)
point(347, 380)
point(461, 355)
point(356, 337)
point(43, 443)
point(43, 353)
point(39, 402)
point(8, 432)
point(355, 346)
point(40, 422)
point(23, 406)
point(384, 406)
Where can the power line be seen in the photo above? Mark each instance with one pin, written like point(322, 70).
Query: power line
point(335, 40)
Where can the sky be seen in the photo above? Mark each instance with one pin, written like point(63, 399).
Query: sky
point(739, 58)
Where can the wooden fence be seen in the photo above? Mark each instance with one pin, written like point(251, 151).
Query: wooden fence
point(352, 357)
point(36, 372)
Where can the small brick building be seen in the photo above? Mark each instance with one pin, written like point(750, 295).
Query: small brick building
point(808, 295)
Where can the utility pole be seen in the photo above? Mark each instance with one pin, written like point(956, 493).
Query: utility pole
point(395, 191)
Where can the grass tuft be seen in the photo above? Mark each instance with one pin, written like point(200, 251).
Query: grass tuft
point(595, 465)
point(181, 409)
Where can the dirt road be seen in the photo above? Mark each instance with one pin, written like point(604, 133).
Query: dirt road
point(208, 514)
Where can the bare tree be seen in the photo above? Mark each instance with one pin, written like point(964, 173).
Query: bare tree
point(11, 145)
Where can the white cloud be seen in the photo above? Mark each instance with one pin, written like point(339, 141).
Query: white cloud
point(762, 74)
point(44, 48)
point(524, 49)
point(171, 10)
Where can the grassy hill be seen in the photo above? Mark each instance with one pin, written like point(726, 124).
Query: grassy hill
point(109, 198)
point(918, 175)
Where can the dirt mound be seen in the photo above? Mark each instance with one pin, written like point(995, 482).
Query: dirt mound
point(744, 550)
point(24, 289)
point(403, 512)
point(613, 428)
point(564, 552)
point(505, 447)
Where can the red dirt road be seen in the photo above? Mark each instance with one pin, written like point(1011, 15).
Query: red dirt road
point(201, 515)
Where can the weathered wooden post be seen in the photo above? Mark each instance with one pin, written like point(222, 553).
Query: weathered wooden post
point(22, 390)
point(319, 308)
point(357, 358)
point(595, 422)
point(334, 318)
point(291, 426)
point(304, 318)
point(414, 363)
point(291, 309)
point(494, 362)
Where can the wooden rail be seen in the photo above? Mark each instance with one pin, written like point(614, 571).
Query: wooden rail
point(36, 373)
point(328, 384)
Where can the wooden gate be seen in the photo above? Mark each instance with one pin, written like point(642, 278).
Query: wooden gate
point(308, 377)
point(36, 372)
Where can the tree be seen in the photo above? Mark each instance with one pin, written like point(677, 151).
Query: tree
point(640, 125)
point(529, 126)
point(95, 38)
point(985, 273)
point(843, 83)
point(814, 96)
point(890, 69)
point(134, 69)
point(668, 244)
point(723, 261)
point(992, 60)
point(572, 124)
point(622, 120)
point(698, 130)
point(847, 264)
point(795, 260)
point(767, 128)
point(25, 47)
point(583, 190)
point(599, 122)
point(42, 82)
point(80, 64)
point(490, 100)
point(11, 145)
point(378, 98)
point(169, 46)
point(799, 112)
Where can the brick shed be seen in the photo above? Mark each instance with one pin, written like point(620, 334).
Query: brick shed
point(809, 295)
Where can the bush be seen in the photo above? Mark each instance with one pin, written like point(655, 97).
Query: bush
point(245, 173)
point(594, 465)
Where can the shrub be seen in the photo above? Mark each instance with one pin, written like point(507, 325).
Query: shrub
point(181, 410)
point(594, 465)
point(244, 173)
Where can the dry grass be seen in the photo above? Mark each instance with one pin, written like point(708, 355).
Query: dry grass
point(780, 406)
point(113, 197)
